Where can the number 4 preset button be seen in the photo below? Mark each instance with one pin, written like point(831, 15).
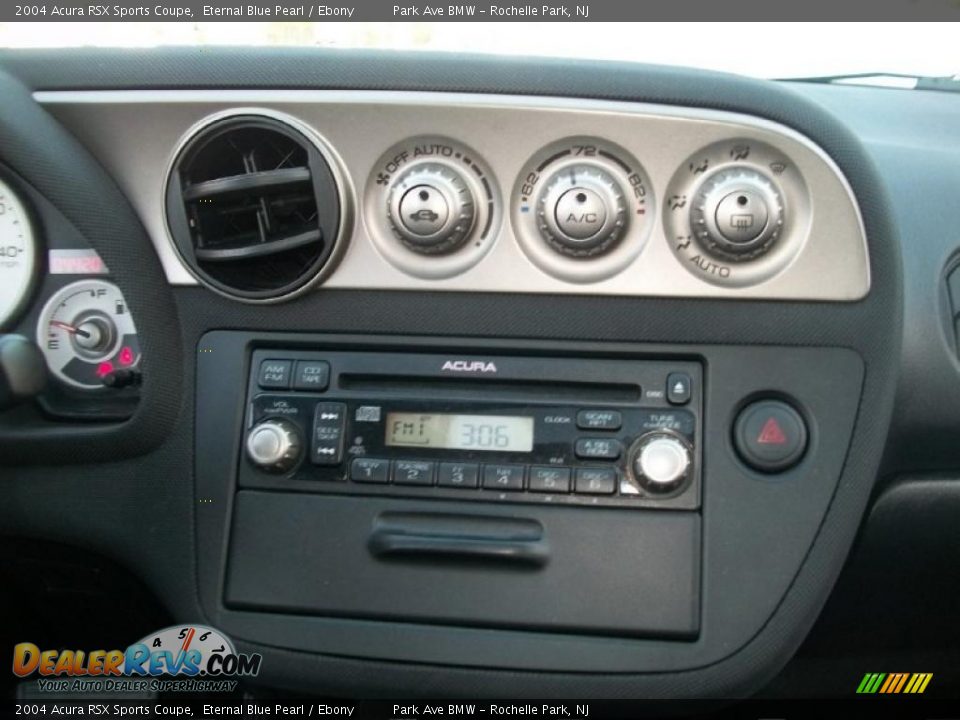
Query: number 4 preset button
point(503, 477)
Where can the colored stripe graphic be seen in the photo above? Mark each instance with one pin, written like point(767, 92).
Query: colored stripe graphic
point(894, 683)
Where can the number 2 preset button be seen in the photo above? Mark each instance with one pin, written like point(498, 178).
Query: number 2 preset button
point(503, 477)
point(412, 472)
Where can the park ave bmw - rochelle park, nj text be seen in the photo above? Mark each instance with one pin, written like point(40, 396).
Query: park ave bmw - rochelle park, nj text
point(265, 11)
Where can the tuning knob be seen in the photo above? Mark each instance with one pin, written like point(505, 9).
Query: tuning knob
point(660, 462)
point(274, 445)
point(431, 209)
point(738, 214)
point(582, 211)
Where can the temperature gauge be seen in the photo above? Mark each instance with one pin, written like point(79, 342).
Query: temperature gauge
point(86, 332)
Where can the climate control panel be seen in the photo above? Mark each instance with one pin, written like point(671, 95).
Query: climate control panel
point(501, 194)
point(498, 429)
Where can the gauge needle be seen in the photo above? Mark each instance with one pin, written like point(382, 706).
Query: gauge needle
point(70, 328)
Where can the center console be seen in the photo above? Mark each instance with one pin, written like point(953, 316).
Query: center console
point(606, 502)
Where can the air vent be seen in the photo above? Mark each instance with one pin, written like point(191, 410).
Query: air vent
point(254, 209)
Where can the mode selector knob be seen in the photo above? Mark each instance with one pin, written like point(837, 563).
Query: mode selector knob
point(274, 445)
point(738, 214)
point(432, 209)
point(581, 211)
point(660, 462)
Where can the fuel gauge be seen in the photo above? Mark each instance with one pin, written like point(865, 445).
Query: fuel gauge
point(86, 332)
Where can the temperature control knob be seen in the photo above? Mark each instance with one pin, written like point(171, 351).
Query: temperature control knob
point(431, 209)
point(660, 462)
point(274, 445)
point(581, 210)
point(738, 214)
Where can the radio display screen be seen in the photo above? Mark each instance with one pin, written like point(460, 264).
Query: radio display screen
point(498, 433)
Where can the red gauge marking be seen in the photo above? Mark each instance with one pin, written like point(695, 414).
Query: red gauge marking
point(69, 328)
point(104, 368)
point(126, 356)
point(187, 639)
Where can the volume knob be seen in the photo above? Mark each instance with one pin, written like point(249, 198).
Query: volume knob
point(660, 462)
point(432, 209)
point(274, 445)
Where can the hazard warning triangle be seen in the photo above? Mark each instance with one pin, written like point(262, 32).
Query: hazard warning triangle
point(771, 433)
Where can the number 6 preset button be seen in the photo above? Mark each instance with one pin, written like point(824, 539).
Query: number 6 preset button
point(503, 477)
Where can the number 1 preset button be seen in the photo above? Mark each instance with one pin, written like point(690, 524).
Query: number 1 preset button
point(370, 470)
point(503, 477)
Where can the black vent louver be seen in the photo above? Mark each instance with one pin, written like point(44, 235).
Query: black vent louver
point(253, 207)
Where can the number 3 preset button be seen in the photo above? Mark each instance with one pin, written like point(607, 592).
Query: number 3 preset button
point(458, 475)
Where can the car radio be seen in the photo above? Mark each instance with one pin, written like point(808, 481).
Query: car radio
point(587, 431)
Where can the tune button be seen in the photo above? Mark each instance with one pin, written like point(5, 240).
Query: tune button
point(660, 462)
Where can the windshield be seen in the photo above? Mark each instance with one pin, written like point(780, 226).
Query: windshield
point(772, 50)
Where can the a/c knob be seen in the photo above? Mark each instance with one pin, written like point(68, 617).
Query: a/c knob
point(582, 211)
point(274, 445)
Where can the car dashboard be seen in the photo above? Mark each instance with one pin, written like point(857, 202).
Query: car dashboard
point(484, 376)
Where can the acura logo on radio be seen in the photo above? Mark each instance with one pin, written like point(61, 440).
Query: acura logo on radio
point(478, 366)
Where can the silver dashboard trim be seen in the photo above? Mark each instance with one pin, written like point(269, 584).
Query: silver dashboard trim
point(134, 134)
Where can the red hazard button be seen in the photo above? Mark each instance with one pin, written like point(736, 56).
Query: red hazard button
point(770, 436)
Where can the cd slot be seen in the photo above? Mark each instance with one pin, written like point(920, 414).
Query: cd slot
point(433, 387)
